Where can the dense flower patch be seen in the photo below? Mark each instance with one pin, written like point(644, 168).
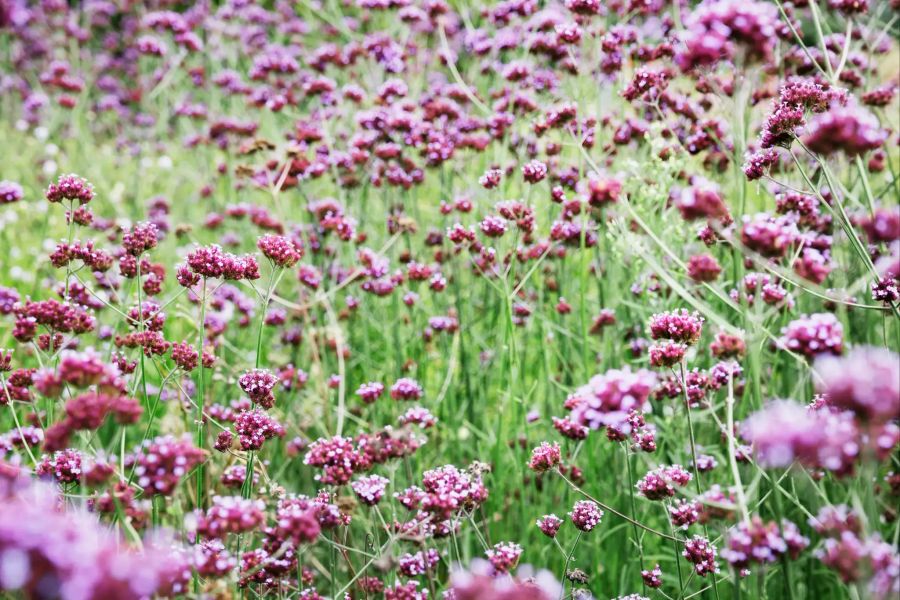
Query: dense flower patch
point(413, 299)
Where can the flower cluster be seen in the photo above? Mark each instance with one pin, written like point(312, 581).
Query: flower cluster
point(661, 482)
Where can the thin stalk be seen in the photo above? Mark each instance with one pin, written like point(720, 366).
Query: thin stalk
point(201, 430)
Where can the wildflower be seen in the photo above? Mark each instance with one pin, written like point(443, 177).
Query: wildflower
point(660, 483)
point(337, 457)
point(229, 515)
point(504, 556)
point(851, 130)
point(370, 392)
point(667, 354)
point(865, 381)
point(142, 238)
point(10, 192)
point(254, 427)
point(678, 326)
point(258, 384)
point(74, 550)
point(418, 416)
point(534, 171)
point(684, 513)
point(406, 388)
point(549, 525)
point(414, 565)
point(585, 515)
point(159, 464)
point(700, 553)
point(491, 179)
point(370, 489)
point(544, 457)
point(282, 251)
point(70, 188)
point(759, 163)
point(703, 268)
point(63, 466)
point(607, 399)
point(814, 335)
point(761, 543)
point(653, 577)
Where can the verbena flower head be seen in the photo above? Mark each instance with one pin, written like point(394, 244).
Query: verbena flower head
point(702, 554)
point(337, 457)
point(849, 129)
point(661, 482)
point(370, 392)
point(370, 489)
point(479, 581)
point(10, 192)
point(761, 543)
point(544, 457)
point(504, 556)
point(814, 335)
point(667, 354)
point(41, 543)
point(549, 525)
point(70, 188)
point(406, 388)
point(279, 249)
point(678, 326)
point(865, 381)
point(607, 399)
point(161, 463)
point(585, 515)
point(258, 384)
point(254, 427)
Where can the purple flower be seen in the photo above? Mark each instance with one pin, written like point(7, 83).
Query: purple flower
point(585, 515)
point(814, 335)
point(866, 381)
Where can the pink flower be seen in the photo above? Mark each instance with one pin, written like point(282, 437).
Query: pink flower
point(585, 515)
point(544, 457)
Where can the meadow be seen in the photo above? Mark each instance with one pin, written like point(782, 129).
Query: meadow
point(407, 299)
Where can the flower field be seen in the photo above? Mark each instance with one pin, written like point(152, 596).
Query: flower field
point(408, 299)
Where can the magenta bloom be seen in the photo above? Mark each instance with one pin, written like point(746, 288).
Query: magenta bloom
point(141, 238)
point(254, 427)
point(370, 489)
point(370, 392)
point(281, 250)
point(585, 515)
point(406, 388)
point(544, 457)
point(10, 192)
point(667, 354)
point(814, 335)
point(534, 171)
point(160, 464)
point(230, 514)
point(40, 543)
point(784, 431)
point(678, 326)
point(70, 188)
point(607, 399)
point(660, 483)
point(848, 129)
point(337, 457)
point(866, 381)
point(703, 268)
point(504, 556)
point(258, 384)
point(549, 525)
point(702, 554)
point(761, 543)
point(652, 577)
